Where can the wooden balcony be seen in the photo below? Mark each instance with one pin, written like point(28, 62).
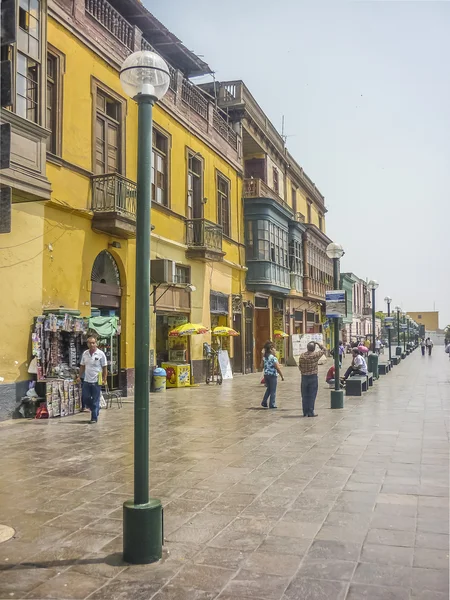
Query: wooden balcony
point(114, 205)
point(26, 174)
point(204, 240)
point(112, 20)
point(314, 289)
point(257, 188)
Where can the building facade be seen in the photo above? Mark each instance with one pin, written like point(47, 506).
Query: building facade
point(73, 174)
point(238, 229)
point(284, 214)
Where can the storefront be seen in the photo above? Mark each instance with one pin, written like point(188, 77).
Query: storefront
point(106, 293)
point(219, 306)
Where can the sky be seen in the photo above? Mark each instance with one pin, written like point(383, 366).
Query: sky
point(364, 88)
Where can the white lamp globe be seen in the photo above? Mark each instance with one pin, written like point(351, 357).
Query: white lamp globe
point(335, 250)
point(373, 284)
point(145, 73)
point(388, 300)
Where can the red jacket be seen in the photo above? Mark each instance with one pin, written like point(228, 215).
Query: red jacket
point(330, 374)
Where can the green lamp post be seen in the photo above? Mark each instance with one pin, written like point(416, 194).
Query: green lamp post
point(398, 349)
point(336, 252)
point(144, 77)
point(388, 301)
point(404, 331)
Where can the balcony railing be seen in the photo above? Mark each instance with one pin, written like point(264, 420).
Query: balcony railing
point(112, 20)
point(112, 193)
point(299, 217)
point(192, 96)
point(145, 45)
point(201, 233)
point(257, 188)
point(222, 127)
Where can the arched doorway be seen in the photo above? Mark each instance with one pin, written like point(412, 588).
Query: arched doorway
point(105, 302)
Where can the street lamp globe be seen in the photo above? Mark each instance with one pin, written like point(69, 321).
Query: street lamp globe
point(398, 308)
point(145, 73)
point(335, 251)
point(388, 300)
point(372, 285)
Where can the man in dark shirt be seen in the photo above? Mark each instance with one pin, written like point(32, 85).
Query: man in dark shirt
point(309, 368)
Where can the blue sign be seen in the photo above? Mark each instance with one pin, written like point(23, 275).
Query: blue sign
point(336, 304)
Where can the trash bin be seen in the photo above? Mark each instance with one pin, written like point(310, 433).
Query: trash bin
point(159, 380)
point(372, 365)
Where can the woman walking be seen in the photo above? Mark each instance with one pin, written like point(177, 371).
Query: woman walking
point(271, 370)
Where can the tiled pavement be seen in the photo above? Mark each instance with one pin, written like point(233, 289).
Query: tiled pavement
point(258, 504)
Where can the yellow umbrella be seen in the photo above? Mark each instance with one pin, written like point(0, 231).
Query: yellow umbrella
point(224, 331)
point(278, 334)
point(188, 329)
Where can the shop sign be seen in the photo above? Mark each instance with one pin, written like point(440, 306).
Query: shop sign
point(336, 304)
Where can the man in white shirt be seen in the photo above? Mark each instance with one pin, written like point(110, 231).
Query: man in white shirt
point(358, 366)
point(93, 362)
point(378, 345)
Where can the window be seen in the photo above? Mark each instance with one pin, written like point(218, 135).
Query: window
point(223, 204)
point(28, 34)
point(276, 183)
point(267, 241)
point(107, 134)
point(309, 212)
point(295, 257)
point(195, 187)
point(218, 303)
point(182, 274)
point(160, 168)
point(261, 302)
point(53, 106)
point(27, 88)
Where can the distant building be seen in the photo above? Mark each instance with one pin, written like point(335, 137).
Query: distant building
point(429, 319)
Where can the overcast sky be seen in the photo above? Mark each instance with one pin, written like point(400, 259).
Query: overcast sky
point(365, 91)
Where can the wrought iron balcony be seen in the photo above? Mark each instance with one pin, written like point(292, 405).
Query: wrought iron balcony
point(204, 240)
point(114, 205)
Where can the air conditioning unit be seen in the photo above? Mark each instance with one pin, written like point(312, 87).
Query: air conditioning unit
point(163, 270)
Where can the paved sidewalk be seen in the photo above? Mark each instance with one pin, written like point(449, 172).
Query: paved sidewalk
point(259, 504)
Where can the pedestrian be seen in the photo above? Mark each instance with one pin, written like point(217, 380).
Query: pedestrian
point(263, 351)
point(358, 366)
point(423, 346)
point(447, 349)
point(378, 345)
point(271, 372)
point(429, 344)
point(93, 365)
point(367, 344)
point(341, 353)
point(309, 368)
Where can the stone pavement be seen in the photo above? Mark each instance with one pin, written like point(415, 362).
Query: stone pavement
point(259, 504)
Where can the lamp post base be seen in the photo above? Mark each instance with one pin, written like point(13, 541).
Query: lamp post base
point(398, 351)
point(337, 398)
point(142, 532)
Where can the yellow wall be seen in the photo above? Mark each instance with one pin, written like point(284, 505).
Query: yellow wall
point(21, 266)
point(429, 319)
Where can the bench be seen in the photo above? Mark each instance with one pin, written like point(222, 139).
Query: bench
point(396, 360)
point(369, 379)
point(355, 386)
point(384, 368)
point(403, 355)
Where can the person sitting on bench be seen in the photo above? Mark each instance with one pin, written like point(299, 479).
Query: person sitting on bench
point(331, 376)
point(358, 366)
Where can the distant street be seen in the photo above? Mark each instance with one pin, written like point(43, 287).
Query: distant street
point(259, 504)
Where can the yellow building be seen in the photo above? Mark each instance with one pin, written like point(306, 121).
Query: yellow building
point(430, 319)
point(73, 173)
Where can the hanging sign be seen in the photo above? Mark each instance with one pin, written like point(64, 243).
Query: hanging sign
point(403, 326)
point(336, 305)
point(389, 322)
